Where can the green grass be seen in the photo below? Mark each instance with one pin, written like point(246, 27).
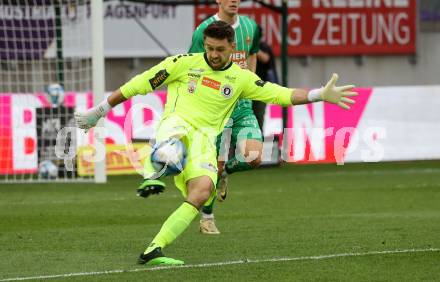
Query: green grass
point(292, 211)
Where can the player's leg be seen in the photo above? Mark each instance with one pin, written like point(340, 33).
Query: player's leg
point(222, 182)
point(199, 191)
point(151, 184)
point(249, 156)
point(249, 148)
point(248, 136)
point(223, 148)
point(207, 223)
point(247, 140)
point(196, 183)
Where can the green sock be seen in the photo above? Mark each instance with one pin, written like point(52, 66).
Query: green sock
point(234, 165)
point(175, 224)
point(208, 207)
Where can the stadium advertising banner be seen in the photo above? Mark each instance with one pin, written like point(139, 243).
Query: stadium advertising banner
point(385, 124)
point(160, 25)
point(28, 130)
point(315, 27)
point(19, 152)
point(130, 30)
point(335, 27)
point(120, 159)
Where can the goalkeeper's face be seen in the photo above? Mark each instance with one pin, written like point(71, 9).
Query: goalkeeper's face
point(218, 52)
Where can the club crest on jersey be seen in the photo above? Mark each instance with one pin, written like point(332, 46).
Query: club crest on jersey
point(227, 91)
point(248, 40)
point(192, 85)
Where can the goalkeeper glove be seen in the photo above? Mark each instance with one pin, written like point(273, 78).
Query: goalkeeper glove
point(334, 94)
point(89, 118)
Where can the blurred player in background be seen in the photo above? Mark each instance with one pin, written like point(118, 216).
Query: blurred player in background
point(247, 40)
point(266, 70)
point(203, 89)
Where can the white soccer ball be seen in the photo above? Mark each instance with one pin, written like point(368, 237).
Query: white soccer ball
point(169, 157)
point(47, 170)
point(55, 94)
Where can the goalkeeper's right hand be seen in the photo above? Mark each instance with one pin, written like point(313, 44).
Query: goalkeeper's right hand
point(88, 119)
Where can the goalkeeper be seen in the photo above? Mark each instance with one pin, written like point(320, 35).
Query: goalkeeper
point(203, 89)
point(242, 120)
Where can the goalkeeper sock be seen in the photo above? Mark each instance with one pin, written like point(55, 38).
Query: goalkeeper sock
point(149, 170)
point(175, 224)
point(234, 165)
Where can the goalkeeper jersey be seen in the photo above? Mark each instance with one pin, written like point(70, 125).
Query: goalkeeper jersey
point(200, 95)
point(247, 40)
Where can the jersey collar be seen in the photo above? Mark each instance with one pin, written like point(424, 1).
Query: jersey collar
point(223, 69)
point(234, 26)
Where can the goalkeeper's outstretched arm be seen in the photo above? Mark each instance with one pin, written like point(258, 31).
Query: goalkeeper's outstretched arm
point(276, 94)
point(88, 119)
point(330, 93)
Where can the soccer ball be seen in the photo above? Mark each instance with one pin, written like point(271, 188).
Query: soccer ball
point(55, 94)
point(47, 170)
point(169, 157)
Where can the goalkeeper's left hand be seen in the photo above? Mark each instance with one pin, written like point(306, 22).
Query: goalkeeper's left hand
point(338, 94)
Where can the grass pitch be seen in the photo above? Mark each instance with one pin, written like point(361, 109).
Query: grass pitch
point(352, 213)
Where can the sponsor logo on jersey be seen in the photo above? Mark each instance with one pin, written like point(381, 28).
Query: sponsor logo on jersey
point(253, 122)
point(209, 166)
point(239, 57)
point(231, 79)
point(227, 91)
point(194, 75)
point(211, 83)
point(192, 85)
point(159, 78)
point(197, 70)
point(260, 83)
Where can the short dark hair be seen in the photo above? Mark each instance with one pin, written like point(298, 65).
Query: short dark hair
point(219, 30)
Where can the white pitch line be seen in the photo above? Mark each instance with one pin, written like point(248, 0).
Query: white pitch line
point(244, 261)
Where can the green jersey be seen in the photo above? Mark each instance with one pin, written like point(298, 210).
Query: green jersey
point(247, 40)
point(200, 95)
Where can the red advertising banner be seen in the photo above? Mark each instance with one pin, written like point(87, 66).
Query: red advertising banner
point(335, 27)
